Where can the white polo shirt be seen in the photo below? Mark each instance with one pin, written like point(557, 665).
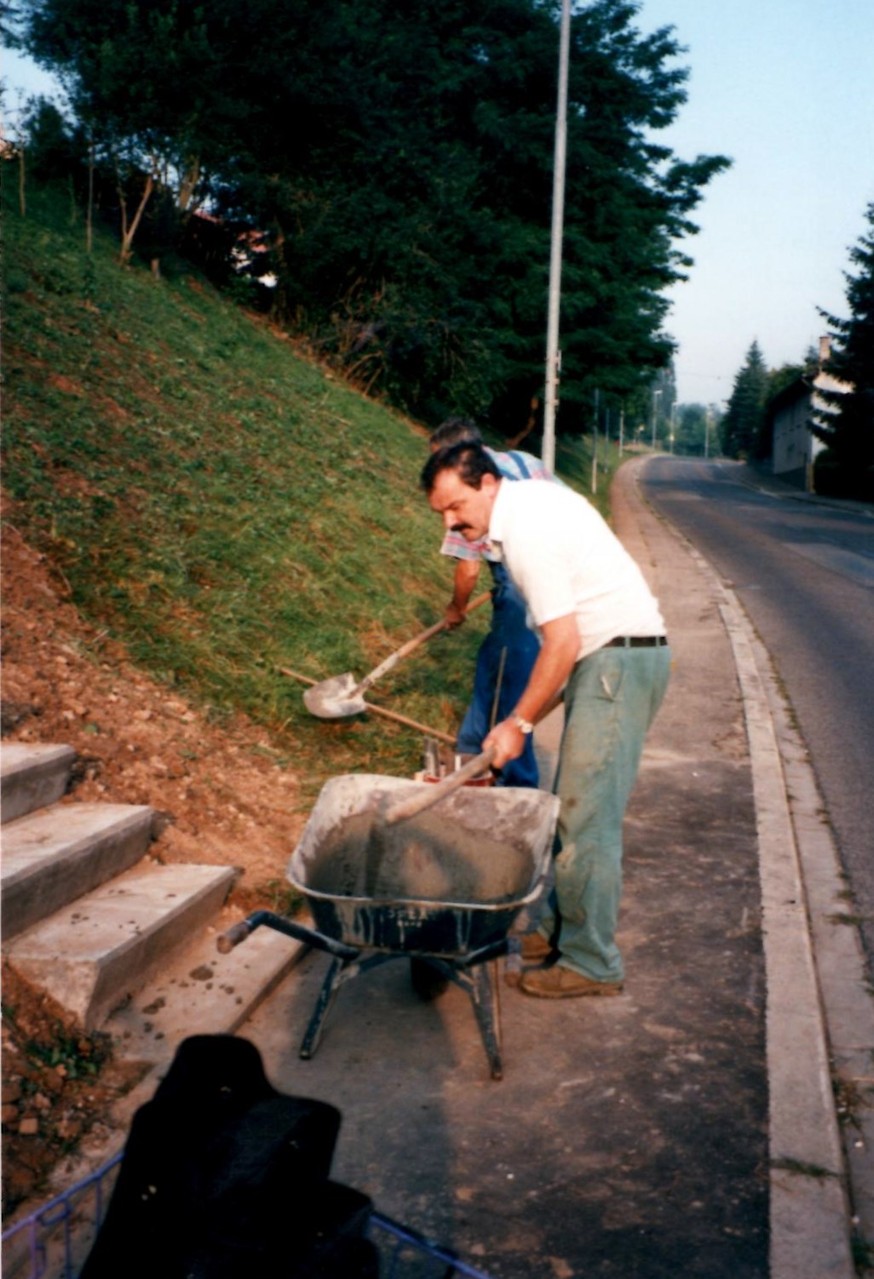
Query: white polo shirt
point(564, 558)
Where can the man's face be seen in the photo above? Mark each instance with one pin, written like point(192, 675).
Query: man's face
point(465, 510)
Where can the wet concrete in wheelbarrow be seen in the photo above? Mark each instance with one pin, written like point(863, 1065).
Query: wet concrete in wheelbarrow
point(424, 859)
point(628, 1136)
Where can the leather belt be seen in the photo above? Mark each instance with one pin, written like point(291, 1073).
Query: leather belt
point(638, 641)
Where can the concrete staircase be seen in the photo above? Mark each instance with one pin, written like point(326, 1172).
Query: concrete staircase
point(125, 944)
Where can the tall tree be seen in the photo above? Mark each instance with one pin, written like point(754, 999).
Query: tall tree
point(149, 84)
point(423, 249)
point(400, 154)
point(846, 425)
point(742, 426)
point(9, 17)
point(697, 430)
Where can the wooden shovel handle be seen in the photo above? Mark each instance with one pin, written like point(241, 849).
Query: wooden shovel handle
point(433, 794)
point(410, 645)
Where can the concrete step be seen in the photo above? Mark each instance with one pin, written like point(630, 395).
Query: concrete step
point(54, 856)
point(32, 776)
point(102, 949)
point(202, 992)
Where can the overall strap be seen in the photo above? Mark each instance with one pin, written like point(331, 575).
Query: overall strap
point(521, 463)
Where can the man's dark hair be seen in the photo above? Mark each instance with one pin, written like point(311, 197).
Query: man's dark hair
point(470, 461)
point(454, 430)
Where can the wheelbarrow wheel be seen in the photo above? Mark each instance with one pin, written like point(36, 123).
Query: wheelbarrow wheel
point(427, 979)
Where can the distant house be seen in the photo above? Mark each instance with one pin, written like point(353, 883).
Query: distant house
point(791, 415)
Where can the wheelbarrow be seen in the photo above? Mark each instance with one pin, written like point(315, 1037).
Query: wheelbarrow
point(441, 889)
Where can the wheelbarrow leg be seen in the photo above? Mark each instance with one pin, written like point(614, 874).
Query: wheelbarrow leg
point(485, 997)
point(337, 974)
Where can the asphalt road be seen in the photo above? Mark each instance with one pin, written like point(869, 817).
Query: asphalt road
point(804, 572)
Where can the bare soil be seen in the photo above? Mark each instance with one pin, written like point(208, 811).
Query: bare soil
point(223, 800)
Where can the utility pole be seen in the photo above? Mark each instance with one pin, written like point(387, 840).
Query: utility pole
point(655, 396)
point(553, 358)
point(595, 448)
point(621, 429)
point(707, 431)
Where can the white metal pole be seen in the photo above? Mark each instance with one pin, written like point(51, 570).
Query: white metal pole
point(595, 448)
point(559, 164)
point(655, 397)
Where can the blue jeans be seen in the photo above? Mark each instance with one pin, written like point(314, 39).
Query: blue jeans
point(611, 699)
point(509, 635)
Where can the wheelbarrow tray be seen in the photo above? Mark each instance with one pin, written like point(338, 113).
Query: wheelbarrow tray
point(449, 881)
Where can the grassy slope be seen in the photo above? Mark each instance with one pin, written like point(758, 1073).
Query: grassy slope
point(217, 502)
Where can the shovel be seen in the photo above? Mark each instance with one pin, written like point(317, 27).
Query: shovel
point(340, 695)
point(433, 794)
point(378, 843)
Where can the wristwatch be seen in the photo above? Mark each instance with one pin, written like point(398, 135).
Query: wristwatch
point(524, 725)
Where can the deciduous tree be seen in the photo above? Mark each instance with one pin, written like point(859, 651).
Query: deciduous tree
point(400, 155)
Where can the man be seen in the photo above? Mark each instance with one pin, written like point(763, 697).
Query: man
point(603, 642)
point(509, 651)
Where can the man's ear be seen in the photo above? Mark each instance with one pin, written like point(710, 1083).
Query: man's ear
point(489, 483)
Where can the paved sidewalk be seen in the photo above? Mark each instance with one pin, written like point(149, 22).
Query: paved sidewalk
point(635, 1136)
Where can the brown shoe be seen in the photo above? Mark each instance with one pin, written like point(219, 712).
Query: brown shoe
point(535, 948)
point(564, 983)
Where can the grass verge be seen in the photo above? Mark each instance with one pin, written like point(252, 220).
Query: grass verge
point(222, 505)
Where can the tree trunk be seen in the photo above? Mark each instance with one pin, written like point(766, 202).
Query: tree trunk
point(190, 179)
point(89, 212)
point(128, 232)
point(529, 426)
point(22, 193)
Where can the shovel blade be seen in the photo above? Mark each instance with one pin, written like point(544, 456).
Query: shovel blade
point(332, 698)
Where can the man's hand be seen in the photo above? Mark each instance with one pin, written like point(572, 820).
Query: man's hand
point(454, 615)
point(466, 574)
point(508, 741)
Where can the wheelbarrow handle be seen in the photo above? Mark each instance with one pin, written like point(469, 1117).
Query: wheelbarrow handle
point(409, 647)
point(237, 933)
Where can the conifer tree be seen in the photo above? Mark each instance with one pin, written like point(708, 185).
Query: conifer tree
point(741, 428)
point(846, 422)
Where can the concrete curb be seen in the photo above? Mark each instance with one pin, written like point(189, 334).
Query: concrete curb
point(754, 479)
point(820, 1191)
point(809, 1209)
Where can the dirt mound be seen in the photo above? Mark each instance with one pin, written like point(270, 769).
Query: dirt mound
point(59, 1085)
point(224, 799)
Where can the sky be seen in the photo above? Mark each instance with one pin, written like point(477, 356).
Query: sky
point(785, 88)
